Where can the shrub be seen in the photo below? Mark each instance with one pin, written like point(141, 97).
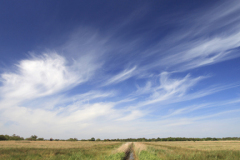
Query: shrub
point(2, 138)
point(32, 138)
point(92, 139)
point(40, 139)
point(72, 139)
point(14, 137)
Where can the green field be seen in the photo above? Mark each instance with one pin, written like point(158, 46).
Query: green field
point(202, 150)
point(58, 150)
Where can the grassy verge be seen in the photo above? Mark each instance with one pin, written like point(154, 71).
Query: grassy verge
point(117, 156)
point(148, 155)
point(142, 152)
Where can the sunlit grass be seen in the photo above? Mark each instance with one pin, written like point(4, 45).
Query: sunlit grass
point(117, 156)
point(148, 155)
point(60, 150)
point(115, 150)
point(190, 150)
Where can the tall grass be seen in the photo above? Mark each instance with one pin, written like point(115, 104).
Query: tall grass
point(91, 151)
point(189, 151)
point(12, 150)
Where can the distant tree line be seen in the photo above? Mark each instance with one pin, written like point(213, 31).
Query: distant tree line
point(172, 139)
point(35, 138)
point(13, 137)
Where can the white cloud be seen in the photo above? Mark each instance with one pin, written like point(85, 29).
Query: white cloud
point(135, 114)
point(127, 73)
point(204, 52)
point(185, 110)
point(73, 113)
point(170, 89)
point(204, 38)
point(144, 90)
point(42, 76)
point(86, 97)
point(38, 77)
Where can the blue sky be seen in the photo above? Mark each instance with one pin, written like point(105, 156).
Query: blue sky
point(120, 69)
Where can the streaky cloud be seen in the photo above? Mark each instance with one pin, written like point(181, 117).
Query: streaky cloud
point(124, 75)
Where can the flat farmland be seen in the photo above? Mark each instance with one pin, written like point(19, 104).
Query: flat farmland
point(87, 150)
point(188, 150)
point(60, 150)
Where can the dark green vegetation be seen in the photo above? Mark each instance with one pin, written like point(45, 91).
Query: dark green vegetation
point(13, 137)
point(35, 138)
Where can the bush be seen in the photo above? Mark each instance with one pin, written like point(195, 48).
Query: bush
point(40, 139)
point(92, 139)
point(72, 139)
point(7, 137)
point(14, 137)
point(2, 138)
point(32, 138)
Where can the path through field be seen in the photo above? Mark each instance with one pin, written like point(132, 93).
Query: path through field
point(128, 149)
point(131, 155)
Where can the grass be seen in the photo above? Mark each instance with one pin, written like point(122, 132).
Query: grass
point(116, 156)
point(148, 155)
point(227, 150)
point(59, 150)
point(16, 150)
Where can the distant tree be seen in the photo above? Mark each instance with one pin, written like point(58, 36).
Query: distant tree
point(7, 137)
point(15, 137)
point(34, 137)
point(2, 138)
point(40, 139)
point(208, 139)
point(92, 139)
point(72, 139)
point(98, 139)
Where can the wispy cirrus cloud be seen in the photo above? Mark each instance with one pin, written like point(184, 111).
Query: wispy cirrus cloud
point(134, 114)
point(168, 88)
point(127, 73)
point(192, 46)
point(185, 110)
point(74, 89)
point(205, 52)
